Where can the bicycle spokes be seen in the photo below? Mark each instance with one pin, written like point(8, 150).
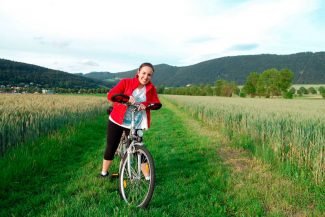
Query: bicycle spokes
point(137, 179)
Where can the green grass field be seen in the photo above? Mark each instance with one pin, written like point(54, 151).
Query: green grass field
point(198, 174)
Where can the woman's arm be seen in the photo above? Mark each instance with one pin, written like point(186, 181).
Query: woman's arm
point(117, 89)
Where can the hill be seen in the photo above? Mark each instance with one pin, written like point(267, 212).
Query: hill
point(308, 68)
point(18, 74)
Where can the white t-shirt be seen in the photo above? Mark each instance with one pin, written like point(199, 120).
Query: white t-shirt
point(140, 116)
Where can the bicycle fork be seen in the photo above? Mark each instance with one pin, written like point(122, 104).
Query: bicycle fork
point(133, 174)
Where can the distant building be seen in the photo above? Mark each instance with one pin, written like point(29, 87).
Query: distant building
point(45, 91)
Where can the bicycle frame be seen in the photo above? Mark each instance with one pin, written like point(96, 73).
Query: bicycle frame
point(130, 149)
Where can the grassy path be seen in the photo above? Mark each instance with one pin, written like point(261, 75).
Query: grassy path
point(255, 188)
point(57, 176)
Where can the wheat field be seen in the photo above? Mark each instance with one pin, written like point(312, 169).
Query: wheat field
point(293, 129)
point(24, 117)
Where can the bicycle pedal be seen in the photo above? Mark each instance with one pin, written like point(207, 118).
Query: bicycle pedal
point(115, 175)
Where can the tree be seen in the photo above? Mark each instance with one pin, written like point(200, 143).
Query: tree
point(303, 90)
point(225, 88)
point(287, 94)
point(207, 89)
point(292, 90)
point(160, 89)
point(285, 79)
point(236, 89)
point(195, 90)
point(260, 87)
point(322, 91)
point(219, 86)
point(312, 90)
point(242, 94)
point(250, 86)
point(272, 82)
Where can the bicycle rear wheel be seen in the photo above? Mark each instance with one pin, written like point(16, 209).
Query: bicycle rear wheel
point(137, 181)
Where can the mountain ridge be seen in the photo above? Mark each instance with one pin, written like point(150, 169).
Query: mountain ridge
point(17, 74)
point(308, 68)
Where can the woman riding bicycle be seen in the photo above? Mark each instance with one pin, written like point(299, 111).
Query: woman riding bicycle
point(141, 91)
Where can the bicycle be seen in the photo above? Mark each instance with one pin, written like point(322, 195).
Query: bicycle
point(136, 168)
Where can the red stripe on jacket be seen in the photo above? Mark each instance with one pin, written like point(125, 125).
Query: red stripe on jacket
point(127, 86)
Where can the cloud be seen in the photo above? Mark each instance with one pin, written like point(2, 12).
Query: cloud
point(53, 43)
point(201, 39)
point(89, 63)
point(243, 47)
point(119, 35)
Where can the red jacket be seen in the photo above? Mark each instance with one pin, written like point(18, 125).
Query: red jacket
point(127, 86)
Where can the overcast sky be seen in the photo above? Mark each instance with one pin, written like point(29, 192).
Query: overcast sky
point(106, 35)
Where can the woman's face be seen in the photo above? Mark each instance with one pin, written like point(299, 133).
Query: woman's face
point(145, 75)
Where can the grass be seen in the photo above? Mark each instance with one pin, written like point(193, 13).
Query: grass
point(57, 175)
point(197, 175)
point(36, 174)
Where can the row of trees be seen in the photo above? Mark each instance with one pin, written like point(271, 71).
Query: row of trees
point(221, 88)
point(270, 83)
point(311, 90)
point(54, 90)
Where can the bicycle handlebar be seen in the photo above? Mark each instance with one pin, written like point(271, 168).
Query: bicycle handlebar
point(154, 106)
point(121, 98)
point(124, 99)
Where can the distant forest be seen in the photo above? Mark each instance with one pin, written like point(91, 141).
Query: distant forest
point(308, 68)
point(22, 74)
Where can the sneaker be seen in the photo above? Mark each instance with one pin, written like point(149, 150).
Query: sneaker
point(103, 176)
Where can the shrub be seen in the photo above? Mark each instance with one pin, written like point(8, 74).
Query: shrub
point(287, 95)
point(242, 94)
point(303, 90)
point(292, 90)
point(312, 90)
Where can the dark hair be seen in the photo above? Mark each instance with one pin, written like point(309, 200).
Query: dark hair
point(147, 64)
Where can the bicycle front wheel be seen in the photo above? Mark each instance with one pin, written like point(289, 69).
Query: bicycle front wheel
point(137, 177)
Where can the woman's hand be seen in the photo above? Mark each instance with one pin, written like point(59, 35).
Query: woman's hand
point(141, 107)
point(131, 100)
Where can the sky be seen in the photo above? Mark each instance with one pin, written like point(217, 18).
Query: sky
point(82, 36)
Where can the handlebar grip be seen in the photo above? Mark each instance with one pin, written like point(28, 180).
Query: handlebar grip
point(154, 106)
point(121, 98)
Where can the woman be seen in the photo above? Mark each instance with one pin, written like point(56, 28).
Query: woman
point(141, 90)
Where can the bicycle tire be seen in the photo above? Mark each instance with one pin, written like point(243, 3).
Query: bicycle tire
point(137, 191)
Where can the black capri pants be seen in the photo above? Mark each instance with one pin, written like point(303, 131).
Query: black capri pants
point(114, 133)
